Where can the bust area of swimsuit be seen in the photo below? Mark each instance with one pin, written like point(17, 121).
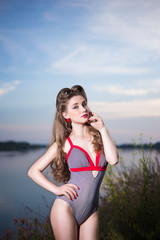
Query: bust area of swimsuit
point(78, 159)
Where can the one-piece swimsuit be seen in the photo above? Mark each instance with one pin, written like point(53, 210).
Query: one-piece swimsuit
point(81, 166)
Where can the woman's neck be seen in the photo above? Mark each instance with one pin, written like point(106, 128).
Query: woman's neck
point(79, 130)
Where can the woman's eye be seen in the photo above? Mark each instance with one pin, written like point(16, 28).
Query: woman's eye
point(75, 107)
point(84, 104)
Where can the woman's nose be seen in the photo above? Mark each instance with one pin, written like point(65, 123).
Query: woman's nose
point(84, 109)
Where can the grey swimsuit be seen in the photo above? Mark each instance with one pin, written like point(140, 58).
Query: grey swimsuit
point(81, 167)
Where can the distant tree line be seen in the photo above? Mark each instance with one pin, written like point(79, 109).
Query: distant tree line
point(22, 146)
point(19, 146)
point(155, 146)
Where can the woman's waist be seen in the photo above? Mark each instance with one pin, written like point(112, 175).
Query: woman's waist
point(86, 183)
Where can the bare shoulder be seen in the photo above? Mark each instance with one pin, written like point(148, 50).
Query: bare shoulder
point(52, 150)
point(49, 155)
point(66, 147)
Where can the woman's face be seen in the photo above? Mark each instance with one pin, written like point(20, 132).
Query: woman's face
point(77, 110)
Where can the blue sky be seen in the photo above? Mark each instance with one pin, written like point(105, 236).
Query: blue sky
point(111, 48)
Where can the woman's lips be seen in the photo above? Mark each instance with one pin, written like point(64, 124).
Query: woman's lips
point(85, 116)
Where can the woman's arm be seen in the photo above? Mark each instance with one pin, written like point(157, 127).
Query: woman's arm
point(110, 150)
point(35, 173)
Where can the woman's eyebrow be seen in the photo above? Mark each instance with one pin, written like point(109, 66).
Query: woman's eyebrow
point(74, 104)
point(78, 103)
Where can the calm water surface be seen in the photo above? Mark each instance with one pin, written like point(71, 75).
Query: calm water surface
point(17, 190)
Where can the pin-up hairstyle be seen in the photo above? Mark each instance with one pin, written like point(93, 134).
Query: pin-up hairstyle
point(63, 128)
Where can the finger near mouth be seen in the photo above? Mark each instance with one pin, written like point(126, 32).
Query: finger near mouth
point(92, 120)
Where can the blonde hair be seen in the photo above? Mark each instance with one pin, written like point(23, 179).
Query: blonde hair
point(62, 130)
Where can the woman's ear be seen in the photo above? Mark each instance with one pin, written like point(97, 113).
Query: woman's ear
point(65, 115)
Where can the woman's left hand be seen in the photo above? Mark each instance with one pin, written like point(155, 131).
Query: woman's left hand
point(95, 121)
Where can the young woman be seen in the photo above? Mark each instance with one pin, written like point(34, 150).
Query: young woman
point(79, 154)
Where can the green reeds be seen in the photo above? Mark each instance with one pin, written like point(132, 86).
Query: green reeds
point(34, 226)
point(130, 206)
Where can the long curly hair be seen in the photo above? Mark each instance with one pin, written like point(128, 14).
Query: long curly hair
point(62, 129)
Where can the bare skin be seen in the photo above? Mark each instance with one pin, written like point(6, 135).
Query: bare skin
point(63, 222)
point(89, 229)
point(62, 219)
point(65, 227)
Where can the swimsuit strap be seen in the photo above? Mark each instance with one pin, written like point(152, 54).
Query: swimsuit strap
point(70, 142)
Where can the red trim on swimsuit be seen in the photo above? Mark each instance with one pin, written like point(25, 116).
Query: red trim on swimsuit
point(88, 169)
point(92, 167)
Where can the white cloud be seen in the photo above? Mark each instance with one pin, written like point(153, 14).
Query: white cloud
point(134, 22)
point(7, 87)
point(113, 89)
point(85, 59)
point(157, 82)
point(120, 37)
point(132, 109)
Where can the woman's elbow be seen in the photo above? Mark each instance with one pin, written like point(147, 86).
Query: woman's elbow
point(31, 173)
point(114, 160)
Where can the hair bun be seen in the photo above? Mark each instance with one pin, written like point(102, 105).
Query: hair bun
point(77, 88)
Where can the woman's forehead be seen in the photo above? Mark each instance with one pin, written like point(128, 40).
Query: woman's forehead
point(76, 99)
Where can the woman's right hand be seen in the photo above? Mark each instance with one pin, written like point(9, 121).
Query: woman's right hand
point(67, 190)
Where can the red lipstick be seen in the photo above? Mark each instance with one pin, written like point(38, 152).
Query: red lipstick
point(85, 116)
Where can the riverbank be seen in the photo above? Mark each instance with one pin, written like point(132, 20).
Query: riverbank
point(19, 146)
point(23, 146)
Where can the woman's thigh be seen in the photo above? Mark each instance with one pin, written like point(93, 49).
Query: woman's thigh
point(62, 221)
point(89, 229)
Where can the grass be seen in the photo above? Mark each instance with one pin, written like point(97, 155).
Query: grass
point(30, 227)
point(129, 209)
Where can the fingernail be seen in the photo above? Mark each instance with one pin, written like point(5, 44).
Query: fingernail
point(78, 188)
point(71, 199)
point(76, 194)
point(74, 197)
